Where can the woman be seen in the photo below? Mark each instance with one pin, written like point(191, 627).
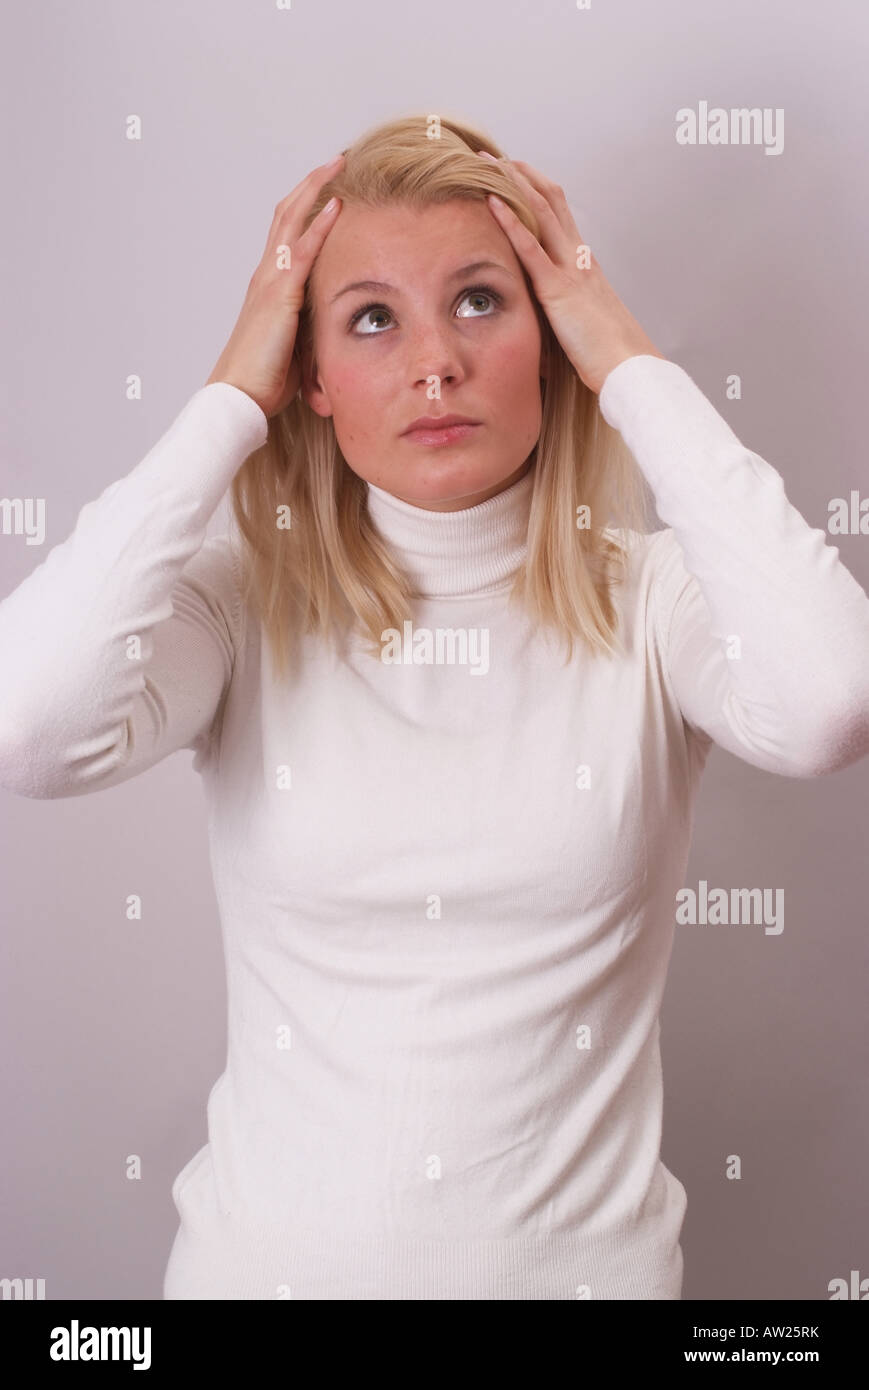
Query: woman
point(447, 902)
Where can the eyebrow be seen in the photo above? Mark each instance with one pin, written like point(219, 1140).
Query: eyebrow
point(380, 286)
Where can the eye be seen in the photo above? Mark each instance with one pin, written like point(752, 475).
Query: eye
point(481, 292)
point(477, 291)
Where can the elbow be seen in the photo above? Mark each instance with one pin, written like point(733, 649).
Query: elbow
point(840, 741)
point(44, 760)
point(22, 771)
point(27, 767)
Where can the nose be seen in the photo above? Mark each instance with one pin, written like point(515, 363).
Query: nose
point(434, 353)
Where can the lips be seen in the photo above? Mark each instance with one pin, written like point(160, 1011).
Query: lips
point(443, 436)
point(439, 422)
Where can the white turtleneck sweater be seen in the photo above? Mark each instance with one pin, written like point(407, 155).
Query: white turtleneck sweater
point(447, 893)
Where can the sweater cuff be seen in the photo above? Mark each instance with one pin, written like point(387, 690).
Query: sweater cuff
point(227, 413)
point(203, 449)
point(633, 381)
point(662, 415)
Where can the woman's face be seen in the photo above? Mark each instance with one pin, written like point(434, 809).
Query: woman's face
point(430, 319)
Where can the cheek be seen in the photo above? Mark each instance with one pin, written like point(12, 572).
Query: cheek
point(514, 373)
point(352, 392)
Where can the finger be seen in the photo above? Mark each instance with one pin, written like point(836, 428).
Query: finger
point(525, 244)
point(300, 200)
point(313, 237)
point(559, 237)
point(549, 203)
point(312, 180)
point(305, 250)
point(554, 195)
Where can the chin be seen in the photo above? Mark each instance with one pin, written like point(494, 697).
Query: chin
point(440, 484)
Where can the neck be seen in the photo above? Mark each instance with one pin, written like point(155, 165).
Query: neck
point(473, 550)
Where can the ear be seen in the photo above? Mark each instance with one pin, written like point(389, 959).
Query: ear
point(311, 389)
point(546, 338)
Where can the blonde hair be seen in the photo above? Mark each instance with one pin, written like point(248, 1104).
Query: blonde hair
point(330, 568)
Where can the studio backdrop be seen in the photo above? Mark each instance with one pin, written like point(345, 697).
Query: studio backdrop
point(714, 158)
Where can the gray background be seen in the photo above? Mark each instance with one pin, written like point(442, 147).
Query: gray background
point(124, 257)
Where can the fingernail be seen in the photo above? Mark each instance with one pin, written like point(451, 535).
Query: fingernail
point(486, 155)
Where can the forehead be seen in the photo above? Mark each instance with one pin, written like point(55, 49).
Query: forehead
point(402, 245)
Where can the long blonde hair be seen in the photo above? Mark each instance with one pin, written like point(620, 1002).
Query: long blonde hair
point(329, 567)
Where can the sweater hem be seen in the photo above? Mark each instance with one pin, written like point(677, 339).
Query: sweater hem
point(268, 1264)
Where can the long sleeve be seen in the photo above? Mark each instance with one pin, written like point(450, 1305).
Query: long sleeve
point(764, 630)
point(117, 649)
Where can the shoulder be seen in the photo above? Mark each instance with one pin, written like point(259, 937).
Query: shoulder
point(213, 575)
point(216, 560)
point(648, 554)
point(653, 573)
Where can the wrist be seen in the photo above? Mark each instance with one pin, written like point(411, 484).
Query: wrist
point(638, 350)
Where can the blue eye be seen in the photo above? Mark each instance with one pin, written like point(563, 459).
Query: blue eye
point(485, 290)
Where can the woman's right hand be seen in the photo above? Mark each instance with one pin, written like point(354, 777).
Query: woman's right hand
point(259, 357)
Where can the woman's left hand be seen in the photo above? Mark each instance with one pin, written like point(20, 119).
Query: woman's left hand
point(589, 320)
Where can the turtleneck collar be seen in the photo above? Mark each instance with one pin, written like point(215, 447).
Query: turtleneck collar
point(450, 554)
